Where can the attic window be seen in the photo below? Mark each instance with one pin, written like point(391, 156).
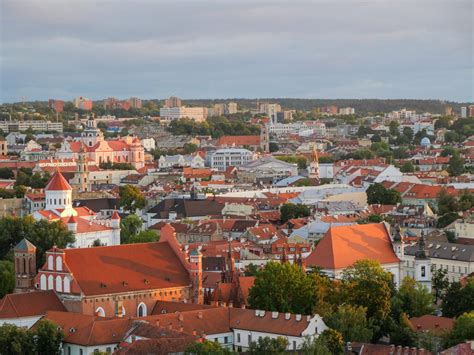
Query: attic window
point(167, 278)
point(102, 285)
point(146, 281)
point(124, 283)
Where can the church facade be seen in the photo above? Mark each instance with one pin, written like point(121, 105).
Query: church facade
point(81, 221)
point(98, 150)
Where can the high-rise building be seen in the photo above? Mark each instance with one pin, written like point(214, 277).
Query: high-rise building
point(219, 110)
point(57, 105)
point(271, 110)
point(346, 111)
point(448, 111)
point(83, 103)
point(110, 103)
point(471, 111)
point(463, 112)
point(231, 108)
point(198, 114)
point(173, 101)
point(135, 102)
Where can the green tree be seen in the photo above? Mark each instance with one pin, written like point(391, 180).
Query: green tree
point(48, 338)
point(290, 210)
point(446, 203)
point(368, 285)
point(351, 322)
point(131, 198)
point(333, 340)
point(273, 147)
point(458, 298)
point(463, 330)
point(282, 288)
point(407, 167)
point(130, 227)
point(267, 345)
point(447, 219)
point(378, 194)
point(439, 283)
point(6, 173)
point(456, 165)
point(206, 348)
point(401, 332)
point(43, 234)
point(7, 277)
point(251, 270)
point(20, 191)
point(144, 237)
point(314, 346)
point(15, 340)
point(413, 299)
point(408, 134)
point(189, 148)
point(393, 128)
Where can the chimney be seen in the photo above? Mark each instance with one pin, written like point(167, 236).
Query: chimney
point(194, 332)
point(180, 317)
point(181, 328)
point(158, 323)
point(287, 316)
point(199, 315)
point(170, 326)
point(298, 317)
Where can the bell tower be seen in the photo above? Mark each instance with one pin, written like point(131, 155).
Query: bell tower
point(313, 170)
point(195, 270)
point(81, 176)
point(422, 264)
point(25, 266)
point(264, 139)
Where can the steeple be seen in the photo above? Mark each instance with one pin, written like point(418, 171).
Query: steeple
point(25, 265)
point(313, 168)
point(422, 263)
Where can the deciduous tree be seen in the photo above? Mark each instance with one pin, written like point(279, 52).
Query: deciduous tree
point(131, 198)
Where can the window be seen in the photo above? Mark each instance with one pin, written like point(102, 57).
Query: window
point(294, 344)
point(69, 350)
point(67, 285)
point(59, 284)
point(226, 340)
point(423, 271)
point(250, 338)
point(43, 282)
point(108, 350)
point(50, 262)
point(59, 263)
point(238, 337)
point(100, 312)
point(141, 311)
point(50, 282)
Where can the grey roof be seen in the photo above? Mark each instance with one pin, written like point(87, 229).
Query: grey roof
point(269, 160)
point(24, 245)
point(449, 251)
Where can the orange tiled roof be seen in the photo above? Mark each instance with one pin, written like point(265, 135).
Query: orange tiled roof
point(124, 268)
point(342, 246)
point(58, 183)
point(17, 305)
point(238, 140)
point(432, 323)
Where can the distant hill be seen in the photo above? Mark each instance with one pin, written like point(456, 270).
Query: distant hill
point(363, 106)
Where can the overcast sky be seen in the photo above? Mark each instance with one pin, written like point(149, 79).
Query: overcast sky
point(236, 48)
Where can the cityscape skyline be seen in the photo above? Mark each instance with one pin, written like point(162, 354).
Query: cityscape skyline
point(248, 50)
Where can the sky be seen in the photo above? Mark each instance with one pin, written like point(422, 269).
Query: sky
point(152, 49)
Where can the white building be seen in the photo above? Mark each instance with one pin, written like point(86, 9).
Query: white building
point(148, 144)
point(221, 159)
point(170, 161)
point(198, 114)
point(80, 221)
point(15, 126)
point(347, 111)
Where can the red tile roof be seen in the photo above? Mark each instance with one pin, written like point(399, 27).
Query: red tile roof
point(342, 246)
point(432, 323)
point(126, 268)
point(58, 183)
point(238, 141)
point(29, 304)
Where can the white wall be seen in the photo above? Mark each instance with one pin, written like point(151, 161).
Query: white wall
point(24, 322)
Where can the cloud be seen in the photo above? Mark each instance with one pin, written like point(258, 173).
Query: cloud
point(340, 48)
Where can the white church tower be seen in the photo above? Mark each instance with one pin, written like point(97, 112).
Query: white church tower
point(58, 195)
point(422, 264)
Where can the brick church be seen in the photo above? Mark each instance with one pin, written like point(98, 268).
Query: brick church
point(122, 280)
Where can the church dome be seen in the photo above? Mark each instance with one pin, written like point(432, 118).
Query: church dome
point(425, 141)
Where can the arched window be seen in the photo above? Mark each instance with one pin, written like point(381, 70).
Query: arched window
point(50, 282)
point(100, 312)
point(59, 263)
point(141, 311)
point(43, 282)
point(59, 284)
point(50, 262)
point(67, 285)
